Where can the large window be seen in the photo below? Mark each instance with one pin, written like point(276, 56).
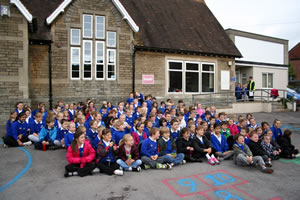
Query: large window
point(267, 80)
point(191, 77)
point(93, 53)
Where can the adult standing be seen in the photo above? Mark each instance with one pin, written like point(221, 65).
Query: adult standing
point(251, 88)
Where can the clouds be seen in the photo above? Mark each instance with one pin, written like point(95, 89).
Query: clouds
point(275, 18)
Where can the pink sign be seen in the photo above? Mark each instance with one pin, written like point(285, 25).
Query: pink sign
point(148, 79)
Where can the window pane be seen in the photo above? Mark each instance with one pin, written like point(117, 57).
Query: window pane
point(75, 70)
point(87, 71)
point(244, 78)
point(100, 27)
point(208, 82)
point(270, 80)
point(99, 71)
point(75, 36)
point(87, 52)
point(192, 66)
point(111, 56)
point(175, 65)
point(100, 53)
point(75, 55)
point(175, 81)
point(208, 67)
point(264, 80)
point(111, 39)
point(75, 63)
point(111, 64)
point(191, 82)
point(87, 26)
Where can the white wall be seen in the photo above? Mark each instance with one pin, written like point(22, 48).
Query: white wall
point(260, 51)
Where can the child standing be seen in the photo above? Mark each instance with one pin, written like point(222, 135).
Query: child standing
point(47, 136)
point(287, 149)
point(202, 147)
point(129, 154)
point(149, 152)
point(219, 144)
point(80, 155)
point(70, 135)
point(243, 156)
point(167, 148)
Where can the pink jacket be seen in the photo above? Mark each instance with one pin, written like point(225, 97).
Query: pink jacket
point(233, 129)
point(87, 157)
point(136, 138)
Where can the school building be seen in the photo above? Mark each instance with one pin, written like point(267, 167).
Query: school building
point(264, 58)
point(104, 49)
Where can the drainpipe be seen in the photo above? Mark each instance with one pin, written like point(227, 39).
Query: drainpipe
point(50, 76)
point(133, 69)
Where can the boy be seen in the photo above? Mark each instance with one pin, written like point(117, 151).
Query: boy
point(219, 144)
point(168, 118)
point(92, 132)
point(47, 136)
point(71, 111)
point(70, 135)
point(244, 132)
point(97, 139)
point(243, 156)
point(225, 131)
point(35, 127)
point(221, 118)
point(118, 132)
point(181, 121)
point(60, 137)
point(167, 148)
point(252, 125)
point(269, 148)
point(149, 153)
point(276, 129)
point(131, 98)
point(174, 129)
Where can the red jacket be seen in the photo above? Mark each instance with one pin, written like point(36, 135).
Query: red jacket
point(87, 156)
point(233, 129)
point(136, 138)
point(133, 152)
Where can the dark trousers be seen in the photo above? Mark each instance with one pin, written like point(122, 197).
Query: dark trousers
point(39, 145)
point(10, 141)
point(107, 168)
point(86, 170)
point(287, 153)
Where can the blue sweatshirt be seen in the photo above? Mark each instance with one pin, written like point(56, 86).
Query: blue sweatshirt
point(118, 135)
point(69, 138)
point(174, 134)
point(95, 142)
point(18, 128)
point(149, 148)
point(47, 134)
point(109, 156)
point(169, 149)
point(61, 134)
point(146, 130)
point(35, 127)
point(217, 146)
point(8, 127)
point(92, 134)
point(276, 133)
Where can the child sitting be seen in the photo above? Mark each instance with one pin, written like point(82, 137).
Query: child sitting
point(47, 136)
point(97, 139)
point(167, 148)
point(174, 129)
point(269, 148)
point(118, 132)
point(219, 144)
point(287, 149)
point(60, 136)
point(70, 135)
point(106, 152)
point(243, 156)
point(276, 129)
point(35, 127)
point(225, 131)
point(80, 155)
point(232, 127)
point(202, 147)
point(92, 132)
point(139, 135)
point(192, 129)
point(149, 152)
point(129, 155)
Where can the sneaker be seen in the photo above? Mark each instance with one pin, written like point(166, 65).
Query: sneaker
point(96, 170)
point(211, 161)
point(216, 161)
point(267, 170)
point(118, 172)
point(269, 164)
point(169, 166)
point(5, 146)
point(54, 147)
point(183, 162)
point(137, 169)
point(121, 168)
point(27, 143)
point(74, 173)
point(129, 169)
point(147, 166)
point(160, 166)
point(297, 155)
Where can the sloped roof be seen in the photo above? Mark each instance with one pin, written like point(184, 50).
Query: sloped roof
point(183, 25)
point(294, 53)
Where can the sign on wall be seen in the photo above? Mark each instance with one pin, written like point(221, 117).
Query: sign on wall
point(147, 79)
point(225, 80)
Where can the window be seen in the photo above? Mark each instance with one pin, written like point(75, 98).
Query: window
point(100, 27)
point(175, 76)
point(208, 77)
point(111, 64)
point(75, 63)
point(75, 36)
point(267, 80)
point(111, 39)
point(87, 26)
point(87, 59)
point(100, 60)
point(192, 77)
point(244, 78)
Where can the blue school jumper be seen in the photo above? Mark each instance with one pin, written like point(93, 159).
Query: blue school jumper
point(104, 115)
point(92, 134)
point(109, 157)
point(18, 128)
point(146, 130)
point(217, 146)
point(8, 127)
point(120, 112)
point(169, 149)
point(174, 134)
point(162, 109)
point(149, 148)
point(136, 115)
point(19, 111)
point(130, 100)
point(247, 140)
point(95, 142)
point(276, 133)
point(71, 114)
point(61, 134)
point(45, 115)
point(117, 136)
point(129, 120)
point(57, 124)
point(35, 127)
point(69, 138)
point(48, 135)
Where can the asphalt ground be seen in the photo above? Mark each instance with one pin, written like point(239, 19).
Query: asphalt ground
point(30, 174)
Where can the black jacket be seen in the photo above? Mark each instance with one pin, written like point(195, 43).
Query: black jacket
point(182, 144)
point(199, 147)
point(256, 149)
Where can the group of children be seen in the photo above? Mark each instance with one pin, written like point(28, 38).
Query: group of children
point(140, 134)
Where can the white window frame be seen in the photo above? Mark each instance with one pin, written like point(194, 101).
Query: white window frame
point(210, 72)
point(267, 77)
point(96, 17)
point(115, 39)
point(193, 71)
point(79, 49)
point(83, 16)
point(83, 58)
point(175, 70)
point(115, 64)
point(96, 48)
point(71, 36)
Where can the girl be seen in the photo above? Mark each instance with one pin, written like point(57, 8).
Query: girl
point(139, 135)
point(192, 129)
point(70, 135)
point(163, 122)
point(119, 131)
point(12, 117)
point(80, 155)
point(276, 129)
point(265, 126)
point(287, 149)
point(35, 127)
point(19, 107)
point(59, 117)
point(199, 109)
point(106, 155)
point(17, 136)
point(202, 147)
point(129, 155)
point(232, 127)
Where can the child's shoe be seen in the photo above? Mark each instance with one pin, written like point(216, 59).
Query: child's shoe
point(96, 170)
point(169, 166)
point(75, 174)
point(160, 166)
point(129, 169)
point(118, 172)
point(217, 162)
point(183, 162)
point(267, 170)
point(211, 161)
point(5, 146)
point(269, 164)
point(137, 169)
point(27, 143)
point(147, 166)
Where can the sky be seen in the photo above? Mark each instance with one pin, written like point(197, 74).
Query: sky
point(275, 18)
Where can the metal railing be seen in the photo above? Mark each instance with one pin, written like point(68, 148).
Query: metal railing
point(228, 98)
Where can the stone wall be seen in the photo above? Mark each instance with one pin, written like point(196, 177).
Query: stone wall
point(13, 61)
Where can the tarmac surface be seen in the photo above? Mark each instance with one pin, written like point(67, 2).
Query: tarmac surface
point(30, 174)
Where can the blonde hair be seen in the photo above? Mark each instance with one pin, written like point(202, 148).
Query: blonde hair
point(125, 138)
